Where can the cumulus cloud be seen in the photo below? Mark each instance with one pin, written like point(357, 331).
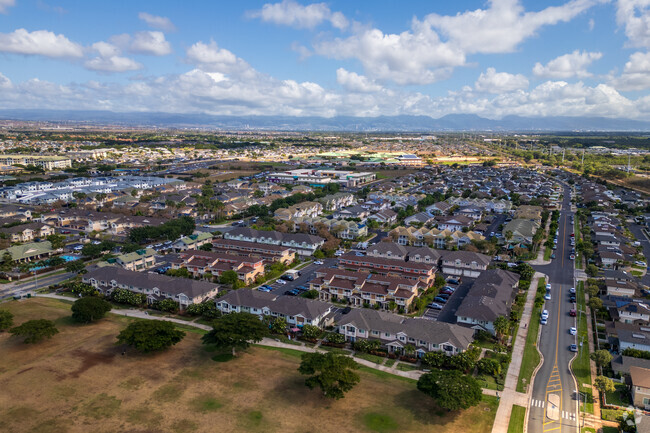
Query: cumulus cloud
point(157, 22)
point(110, 60)
point(634, 15)
point(6, 4)
point(39, 42)
point(290, 13)
point(636, 74)
point(574, 64)
point(492, 81)
point(433, 46)
point(354, 82)
point(151, 43)
point(211, 58)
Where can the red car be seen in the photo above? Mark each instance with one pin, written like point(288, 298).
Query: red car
point(572, 312)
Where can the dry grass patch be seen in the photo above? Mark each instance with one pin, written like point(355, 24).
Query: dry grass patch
point(85, 384)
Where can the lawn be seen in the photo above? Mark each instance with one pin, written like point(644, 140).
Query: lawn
point(614, 398)
point(517, 419)
point(78, 382)
point(580, 364)
point(531, 356)
point(403, 366)
point(576, 230)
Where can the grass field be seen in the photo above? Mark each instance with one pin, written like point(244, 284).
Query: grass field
point(531, 356)
point(580, 365)
point(78, 382)
point(517, 419)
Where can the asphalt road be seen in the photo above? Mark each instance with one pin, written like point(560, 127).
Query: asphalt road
point(9, 290)
point(307, 274)
point(494, 225)
point(554, 380)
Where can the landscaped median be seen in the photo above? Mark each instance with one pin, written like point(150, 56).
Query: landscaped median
point(580, 365)
point(531, 356)
point(517, 419)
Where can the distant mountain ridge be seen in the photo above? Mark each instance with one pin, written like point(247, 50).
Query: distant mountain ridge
point(403, 123)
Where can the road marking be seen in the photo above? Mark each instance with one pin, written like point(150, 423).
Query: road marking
point(537, 403)
point(551, 429)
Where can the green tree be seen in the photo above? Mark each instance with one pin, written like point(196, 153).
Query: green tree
point(452, 390)
point(279, 325)
point(57, 241)
point(35, 331)
point(311, 332)
point(310, 294)
point(6, 320)
point(89, 309)
point(319, 254)
point(166, 305)
point(501, 326)
point(206, 247)
point(7, 262)
point(236, 331)
point(335, 338)
point(76, 266)
point(333, 374)
point(150, 335)
point(230, 277)
point(604, 385)
point(601, 357)
point(596, 303)
point(489, 366)
point(591, 270)
point(434, 359)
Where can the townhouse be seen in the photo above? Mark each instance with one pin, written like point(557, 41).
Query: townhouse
point(520, 231)
point(10, 210)
point(628, 335)
point(267, 252)
point(303, 244)
point(321, 178)
point(424, 272)
point(304, 209)
point(27, 232)
point(464, 263)
point(490, 296)
point(454, 223)
point(193, 241)
point(334, 202)
point(200, 263)
point(137, 260)
point(363, 288)
point(640, 389)
point(440, 239)
point(342, 229)
point(157, 287)
point(396, 332)
point(296, 311)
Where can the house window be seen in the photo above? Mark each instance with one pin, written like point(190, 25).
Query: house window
point(386, 334)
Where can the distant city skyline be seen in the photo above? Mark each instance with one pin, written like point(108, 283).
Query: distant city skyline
point(298, 58)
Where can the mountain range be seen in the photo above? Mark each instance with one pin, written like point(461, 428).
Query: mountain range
point(403, 123)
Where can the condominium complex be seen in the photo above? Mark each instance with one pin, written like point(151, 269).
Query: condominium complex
point(45, 162)
point(320, 178)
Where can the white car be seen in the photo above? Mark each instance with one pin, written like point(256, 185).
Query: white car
point(545, 314)
point(572, 290)
point(547, 296)
point(318, 262)
point(548, 286)
point(573, 331)
point(281, 281)
point(640, 263)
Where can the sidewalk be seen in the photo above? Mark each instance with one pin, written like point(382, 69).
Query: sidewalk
point(509, 395)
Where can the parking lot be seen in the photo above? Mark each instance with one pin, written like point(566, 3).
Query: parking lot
point(307, 274)
point(448, 312)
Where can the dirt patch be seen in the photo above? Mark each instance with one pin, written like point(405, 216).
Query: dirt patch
point(90, 360)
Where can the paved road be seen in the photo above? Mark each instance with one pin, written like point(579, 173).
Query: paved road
point(554, 380)
point(494, 225)
point(9, 290)
point(448, 313)
point(307, 274)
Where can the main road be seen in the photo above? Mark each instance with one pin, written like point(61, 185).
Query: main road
point(553, 405)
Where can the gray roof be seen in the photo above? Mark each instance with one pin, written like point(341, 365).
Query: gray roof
point(430, 331)
point(622, 364)
point(465, 257)
point(490, 296)
point(142, 280)
point(287, 305)
point(277, 236)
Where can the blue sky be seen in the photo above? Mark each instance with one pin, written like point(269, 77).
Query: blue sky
point(491, 58)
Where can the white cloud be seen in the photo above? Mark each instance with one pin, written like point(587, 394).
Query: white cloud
point(354, 82)
point(635, 17)
point(147, 42)
point(574, 64)
point(157, 22)
point(290, 13)
point(636, 74)
point(492, 81)
point(110, 60)
point(39, 42)
point(211, 58)
point(417, 57)
point(421, 56)
point(5, 83)
point(302, 50)
point(5, 4)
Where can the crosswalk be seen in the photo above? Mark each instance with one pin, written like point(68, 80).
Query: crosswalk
point(537, 403)
point(541, 404)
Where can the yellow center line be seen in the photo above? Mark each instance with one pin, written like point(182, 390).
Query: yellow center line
point(551, 429)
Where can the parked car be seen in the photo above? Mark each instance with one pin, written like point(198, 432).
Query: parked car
point(446, 292)
point(543, 321)
point(547, 296)
point(573, 330)
point(281, 282)
point(640, 263)
point(435, 306)
point(572, 257)
point(444, 296)
point(548, 286)
point(452, 280)
point(289, 293)
point(439, 299)
point(572, 299)
point(65, 232)
point(553, 255)
point(287, 277)
point(573, 348)
point(318, 262)
point(452, 289)
point(545, 314)
point(572, 290)
point(572, 312)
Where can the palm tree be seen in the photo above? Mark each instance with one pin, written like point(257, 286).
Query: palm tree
point(409, 349)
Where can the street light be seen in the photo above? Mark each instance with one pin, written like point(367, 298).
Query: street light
point(583, 407)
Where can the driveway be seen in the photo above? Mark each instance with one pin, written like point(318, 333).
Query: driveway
point(307, 274)
point(448, 313)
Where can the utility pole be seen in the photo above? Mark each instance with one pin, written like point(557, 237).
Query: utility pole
point(583, 157)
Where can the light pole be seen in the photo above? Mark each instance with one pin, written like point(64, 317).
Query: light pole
point(583, 407)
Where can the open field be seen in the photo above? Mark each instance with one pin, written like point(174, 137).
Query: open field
point(78, 382)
